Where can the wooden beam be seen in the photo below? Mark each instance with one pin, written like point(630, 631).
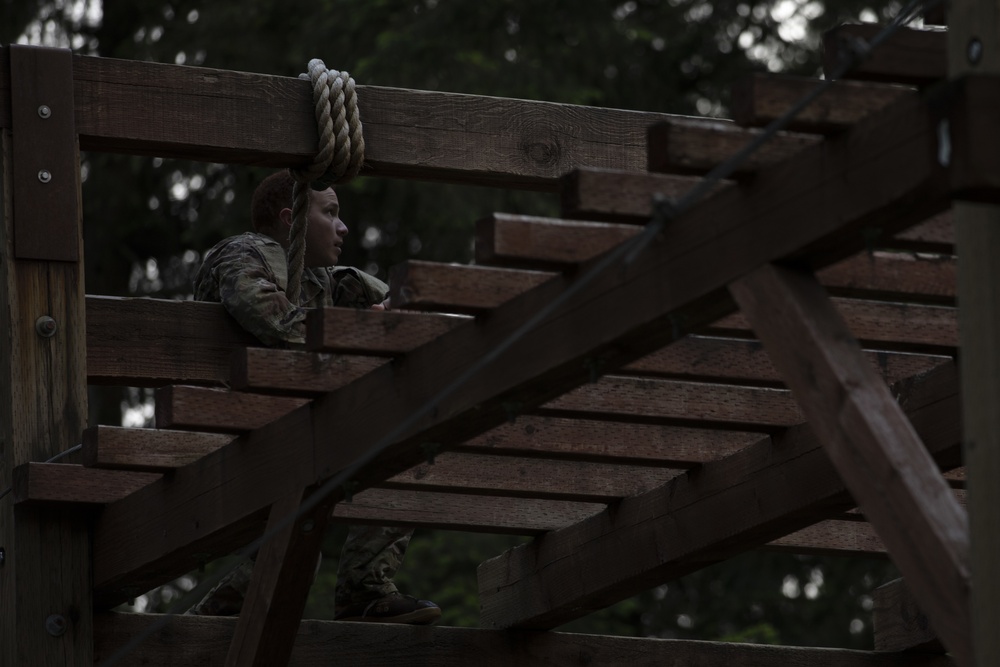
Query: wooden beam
point(190, 639)
point(687, 148)
point(701, 252)
point(236, 117)
point(899, 624)
point(421, 285)
point(200, 408)
point(352, 330)
point(758, 99)
point(742, 501)
point(910, 56)
point(834, 537)
point(869, 440)
point(66, 483)
point(147, 449)
point(291, 370)
point(43, 384)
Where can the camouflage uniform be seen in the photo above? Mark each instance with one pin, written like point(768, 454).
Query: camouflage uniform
point(248, 275)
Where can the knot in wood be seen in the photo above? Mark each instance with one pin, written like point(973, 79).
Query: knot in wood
point(543, 153)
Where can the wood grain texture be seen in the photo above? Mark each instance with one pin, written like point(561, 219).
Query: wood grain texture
point(202, 640)
point(758, 99)
point(909, 56)
point(75, 484)
point(618, 196)
point(899, 624)
point(696, 149)
point(152, 450)
point(870, 442)
point(351, 330)
point(152, 342)
point(833, 537)
point(457, 288)
point(292, 370)
point(736, 503)
point(201, 408)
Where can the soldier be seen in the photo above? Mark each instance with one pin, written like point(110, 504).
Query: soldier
point(248, 275)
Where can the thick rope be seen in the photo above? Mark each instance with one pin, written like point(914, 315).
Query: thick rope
point(341, 154)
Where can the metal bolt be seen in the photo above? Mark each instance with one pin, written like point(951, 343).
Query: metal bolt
point(45, 326)
point(44, 111)
point(45, 175)
point(308, 525)
point(56, 625)
point(974, 51)
point(3, 556)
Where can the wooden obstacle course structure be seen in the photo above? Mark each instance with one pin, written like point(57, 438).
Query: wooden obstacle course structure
point(640, 430)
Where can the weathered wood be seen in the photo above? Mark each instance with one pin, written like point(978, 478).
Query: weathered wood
point(834, 537)
point(894, 326)
point(586, 482)
point(292, 370)
point(744, 500)
point(618, 196)
point(282, 575)
point(897, 622)
point(236, 117)
point(153, 450)
point(43, 411)
point(374, 332)
point(696, 149)
point(869, 440)
point(978, 243)
point(200, 408)
point(701, 252)
point(546, 243)
point(421, 285)
point(908, 56)
point(66, 483)
point(152, 342)
point(758, 99)
point(202, 640)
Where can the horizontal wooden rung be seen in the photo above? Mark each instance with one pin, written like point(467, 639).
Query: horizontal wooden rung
point(75, 484)
point(909, 56)
point(154, 450)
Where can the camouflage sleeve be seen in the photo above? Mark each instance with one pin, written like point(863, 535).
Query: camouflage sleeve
point(353, 288)
point(248, 288)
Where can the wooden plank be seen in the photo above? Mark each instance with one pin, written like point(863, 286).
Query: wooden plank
point(730, 505)
point(899, 624)
point(235, 117)
point(936, 235)
point(618, 196)
point(152, 342)
point(969, 23)
point(834, 537)
point(421, 285)
point(586, 482)
point(67, 483)
point(758, 99)
point(44, 154)
point(190, 640)
point(200, 408)
point(869, 440)
point(893, 326)
point(43, 411)
point(700, 252)
point(292, 370)
point(351, 330)
point(282, 575)
point(686, 148)
point(152, 450)
point(909, 56)
point(550, 244)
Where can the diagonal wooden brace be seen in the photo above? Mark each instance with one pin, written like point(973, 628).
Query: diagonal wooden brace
point(870, 441)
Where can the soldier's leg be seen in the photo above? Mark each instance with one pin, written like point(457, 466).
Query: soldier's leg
point(368, 562)
point(226, 598)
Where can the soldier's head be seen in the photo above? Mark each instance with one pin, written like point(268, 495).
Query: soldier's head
point(271, 214)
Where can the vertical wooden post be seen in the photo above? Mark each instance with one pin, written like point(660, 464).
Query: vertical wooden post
point(45, 578)
point(974, 47)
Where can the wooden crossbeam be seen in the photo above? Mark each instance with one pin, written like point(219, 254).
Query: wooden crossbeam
point(898, 623)
point(291, 370)
point(223, 116)
point(153, 450)
point(70, 483)
point(190, 639)
point(374, 332)
point(759, 99)
point(869, 440)
point(203, 409)
point(834, 537)
point(909, 56)
point(685, 273)
point(737, 503)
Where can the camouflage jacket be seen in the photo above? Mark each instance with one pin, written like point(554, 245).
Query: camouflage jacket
point(248, 275)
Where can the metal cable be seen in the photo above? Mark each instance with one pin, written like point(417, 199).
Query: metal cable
point(663, 211)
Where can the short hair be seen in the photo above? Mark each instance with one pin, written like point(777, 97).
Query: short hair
point(273, 194)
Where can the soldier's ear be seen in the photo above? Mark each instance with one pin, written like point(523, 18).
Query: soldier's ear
point(285, 215)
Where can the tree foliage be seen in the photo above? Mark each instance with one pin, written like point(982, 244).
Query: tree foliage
point(148, 220)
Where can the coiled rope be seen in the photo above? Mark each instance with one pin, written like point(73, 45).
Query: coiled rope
point(341, 154)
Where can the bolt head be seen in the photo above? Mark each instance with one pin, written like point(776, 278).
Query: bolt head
point(974, 51)
point(308, 525)
point(56, 625)
point(3, 556)
point(44, 175)
point(46, 327)
point(44, 111)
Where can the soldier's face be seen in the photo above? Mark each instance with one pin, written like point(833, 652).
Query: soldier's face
point(326, 231)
